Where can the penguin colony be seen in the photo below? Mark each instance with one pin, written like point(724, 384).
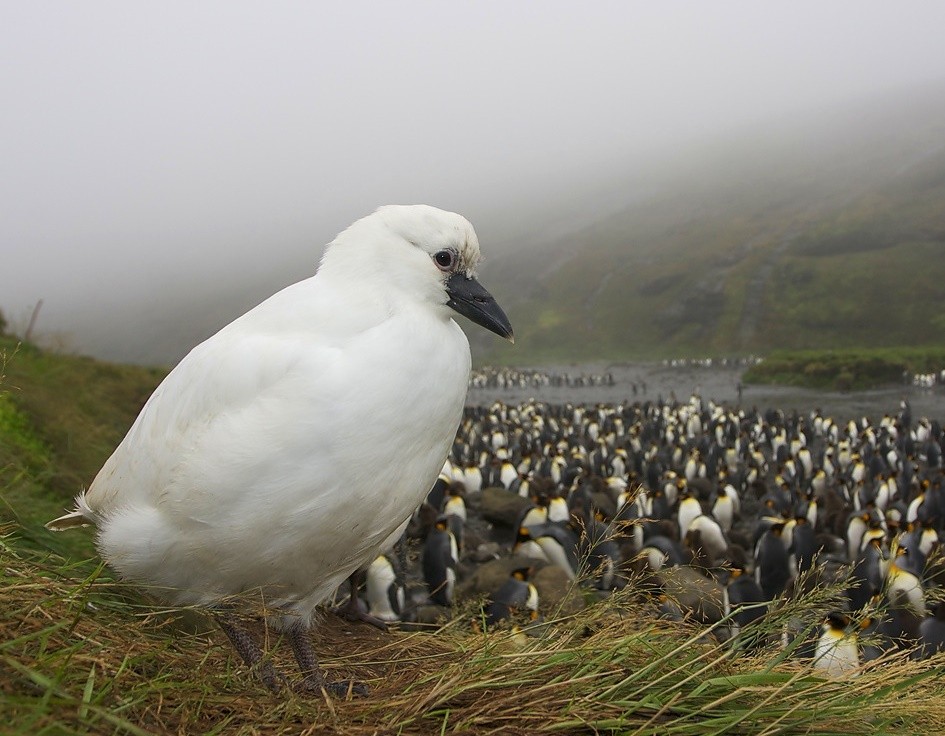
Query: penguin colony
point(749, 507)
point(490, 377)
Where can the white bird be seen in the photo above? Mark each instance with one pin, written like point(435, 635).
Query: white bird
point(253, 465)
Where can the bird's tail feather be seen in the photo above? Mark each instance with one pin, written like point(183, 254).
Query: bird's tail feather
point(68, 521)
point(82, 515)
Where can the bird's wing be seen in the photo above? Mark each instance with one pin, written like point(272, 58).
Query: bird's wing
point(210, 416)
point(275, 402)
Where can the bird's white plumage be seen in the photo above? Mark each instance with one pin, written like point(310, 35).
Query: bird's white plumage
point(255, 464)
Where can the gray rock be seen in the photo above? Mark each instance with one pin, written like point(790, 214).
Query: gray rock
point(426, 616)
point(490, 576)
point(499, 506)
point(693, 592)
point(486, 552)
point(557, 593)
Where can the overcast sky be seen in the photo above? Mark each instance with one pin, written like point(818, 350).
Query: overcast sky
point(153, 147)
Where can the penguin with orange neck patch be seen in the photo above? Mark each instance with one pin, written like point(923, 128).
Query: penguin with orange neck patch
point(514, 595)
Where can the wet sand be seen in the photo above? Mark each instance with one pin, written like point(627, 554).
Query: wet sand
point(720, 384)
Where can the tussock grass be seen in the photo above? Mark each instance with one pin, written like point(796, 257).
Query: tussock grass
point(845, 370)
point(81, 653)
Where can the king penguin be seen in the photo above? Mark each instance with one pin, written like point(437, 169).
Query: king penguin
point(515, 593)
point(384, 590)
point(836, 654)
point(440, 555)
point(932, 633)
point(772, 570)
point(744, 599)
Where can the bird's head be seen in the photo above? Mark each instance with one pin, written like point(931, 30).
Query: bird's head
point(419, 252)
point(836, 621)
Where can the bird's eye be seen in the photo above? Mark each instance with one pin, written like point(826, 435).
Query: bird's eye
point(445, 260)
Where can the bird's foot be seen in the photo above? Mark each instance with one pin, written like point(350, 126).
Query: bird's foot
point(274, 680)
point(339, 688)
point(251, 654)
point(313, 681)
point(356, 615)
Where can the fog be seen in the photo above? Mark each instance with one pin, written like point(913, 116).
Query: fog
point(167, 165)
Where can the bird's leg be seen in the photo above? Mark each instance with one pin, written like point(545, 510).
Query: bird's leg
point(351, 611)
point(250, 651)
point(400, 549)
point(312, 678)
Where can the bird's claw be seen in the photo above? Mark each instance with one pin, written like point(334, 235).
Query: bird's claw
point(339, 688)
point(349, 613)
point(274, 680)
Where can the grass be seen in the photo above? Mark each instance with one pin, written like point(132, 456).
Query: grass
point(813, 256)
point(81, 653)
point(60, 418)
point(846, 370)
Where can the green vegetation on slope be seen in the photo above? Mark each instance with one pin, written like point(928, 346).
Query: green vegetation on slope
point(60, 418)
point(845, 370)
point(810, 243)
point(870, 274)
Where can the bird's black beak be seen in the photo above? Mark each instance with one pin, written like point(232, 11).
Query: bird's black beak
point(470, 299)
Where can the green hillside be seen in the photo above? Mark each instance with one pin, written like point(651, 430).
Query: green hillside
point(60, 418)
point(848, 369)
point(805, 239)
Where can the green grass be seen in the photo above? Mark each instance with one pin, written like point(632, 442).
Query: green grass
point(82, 654)
point(816, 256)
point(845, 370)
point(60, 418)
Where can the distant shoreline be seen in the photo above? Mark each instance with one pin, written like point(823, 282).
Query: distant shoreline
point(715, 383)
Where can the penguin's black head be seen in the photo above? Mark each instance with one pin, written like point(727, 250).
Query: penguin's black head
point(837, 620)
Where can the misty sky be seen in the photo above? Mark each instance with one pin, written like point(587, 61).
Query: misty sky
point(153, 151)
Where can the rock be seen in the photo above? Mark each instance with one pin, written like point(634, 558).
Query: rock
point(693, 592)
point(487, 551)
point(490, 576)
point(557, 593)
point(426, 616)
point(500, 506)
point(472, 540)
